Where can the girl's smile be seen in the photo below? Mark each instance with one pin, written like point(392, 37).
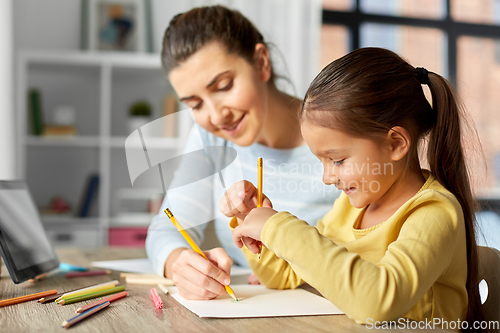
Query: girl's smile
point(361, 168)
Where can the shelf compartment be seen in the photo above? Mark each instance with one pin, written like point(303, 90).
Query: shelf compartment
point(61, 171)
point(67, 85)
point(57, 141)
point(131, 85)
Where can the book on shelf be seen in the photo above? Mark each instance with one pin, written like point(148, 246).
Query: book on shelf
point(89, 196)
point(35, 112)
point(59, 130)
point(170, 107)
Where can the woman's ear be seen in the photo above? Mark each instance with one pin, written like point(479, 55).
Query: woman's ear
point(263, 62)
point(400, 142)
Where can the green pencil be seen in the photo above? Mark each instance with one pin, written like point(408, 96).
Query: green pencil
point(91, 295)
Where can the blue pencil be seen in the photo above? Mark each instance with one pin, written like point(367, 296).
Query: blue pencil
point(68, 267)
point(81, 316)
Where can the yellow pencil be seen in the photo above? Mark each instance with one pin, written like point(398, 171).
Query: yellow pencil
point(193, 245)
point(259, 190)
point(85, 291)
point(259, 182)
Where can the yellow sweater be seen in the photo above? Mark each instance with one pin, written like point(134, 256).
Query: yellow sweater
point(413, 265)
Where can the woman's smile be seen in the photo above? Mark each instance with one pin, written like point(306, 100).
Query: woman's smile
point(233, 128)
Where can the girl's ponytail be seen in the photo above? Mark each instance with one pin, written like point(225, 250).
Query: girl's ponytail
point(446, 159)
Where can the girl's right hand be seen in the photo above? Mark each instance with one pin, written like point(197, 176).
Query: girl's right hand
point(197, 278)
point(240, 199)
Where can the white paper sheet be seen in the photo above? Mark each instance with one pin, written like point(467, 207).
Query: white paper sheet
point(144, 266)
point(258, 301)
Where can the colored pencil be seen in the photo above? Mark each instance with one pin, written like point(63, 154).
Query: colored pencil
point(260, 198)
point(27, 297)
point(107, 299)
point(72, 293)
point(88, 291)
point(259, 182)
point(38, 277)
point(193, 245)
point(91, 295)
point(68, 267)
point(54, 297)
point(148, 281)
point(163, 288)
point(88, 273)
point(76, 319)
point(139, 275)
point(156, 298)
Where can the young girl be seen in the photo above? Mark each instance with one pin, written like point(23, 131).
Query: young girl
point(399, 242)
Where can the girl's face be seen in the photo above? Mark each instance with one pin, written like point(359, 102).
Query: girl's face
point(361, 168)
point(228, 95)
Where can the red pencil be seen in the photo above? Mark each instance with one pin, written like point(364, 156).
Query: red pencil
point(107, 299)
point(88, 273)
point(156, 298)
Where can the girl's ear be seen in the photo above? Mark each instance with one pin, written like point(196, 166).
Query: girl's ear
point(400, 142)
point(263, 62)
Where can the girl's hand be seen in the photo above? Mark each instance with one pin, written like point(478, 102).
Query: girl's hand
point(249, 232)
point(240, 199)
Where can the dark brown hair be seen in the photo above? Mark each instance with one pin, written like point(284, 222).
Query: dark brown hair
point(190, 31)
point(371, 90)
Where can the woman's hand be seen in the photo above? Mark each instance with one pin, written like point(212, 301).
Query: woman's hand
point(240, 199)
point(197, 278)
point(249, 232)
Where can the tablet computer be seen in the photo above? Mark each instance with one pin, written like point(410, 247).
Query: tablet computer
point(24, 244)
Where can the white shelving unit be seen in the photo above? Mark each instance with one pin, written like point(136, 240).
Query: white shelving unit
point(101, 87)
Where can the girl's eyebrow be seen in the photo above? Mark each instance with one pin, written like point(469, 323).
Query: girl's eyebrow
point(334, 151)
point(208, 85)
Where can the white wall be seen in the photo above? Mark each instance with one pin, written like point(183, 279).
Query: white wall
point(47, 24)
point(7, 125)
point(293, 26)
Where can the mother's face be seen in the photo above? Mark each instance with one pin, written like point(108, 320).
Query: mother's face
point(228, 95)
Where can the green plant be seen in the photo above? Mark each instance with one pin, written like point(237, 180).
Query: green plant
point(141, 108)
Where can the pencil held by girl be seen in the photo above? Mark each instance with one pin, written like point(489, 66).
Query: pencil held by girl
point(400, 240)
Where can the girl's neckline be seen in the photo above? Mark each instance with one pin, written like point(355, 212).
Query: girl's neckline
point(361, 232)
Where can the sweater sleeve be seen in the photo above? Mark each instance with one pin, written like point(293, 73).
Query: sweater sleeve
point(191, 206)
point(271, 270)
point(381, 291)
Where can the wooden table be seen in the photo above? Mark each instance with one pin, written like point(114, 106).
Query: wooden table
point(136, 312)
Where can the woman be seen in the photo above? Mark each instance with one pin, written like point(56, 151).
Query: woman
point(219, 65)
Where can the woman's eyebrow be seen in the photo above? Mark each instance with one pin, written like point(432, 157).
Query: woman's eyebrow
point(216, 78)
point(185, 98)
point(208, 85)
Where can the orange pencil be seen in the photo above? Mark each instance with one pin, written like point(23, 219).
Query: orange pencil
point(27, 297)
point(107, 299)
